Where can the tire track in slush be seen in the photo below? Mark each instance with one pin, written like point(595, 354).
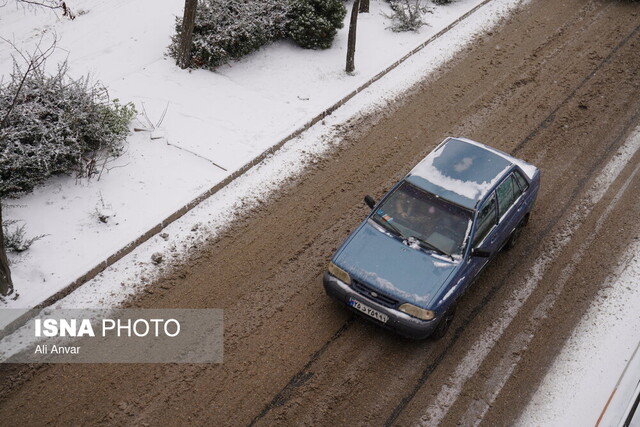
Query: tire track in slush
point(467, 367)
point(305, 374)
point(472, 361)
point(302, 376)
point(552, 116)
point(502, 372)
point(470, 364)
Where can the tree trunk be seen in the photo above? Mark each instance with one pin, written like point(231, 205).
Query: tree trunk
point(6, 284)
point(186, 40)
point(351, 43)
point(364, 6)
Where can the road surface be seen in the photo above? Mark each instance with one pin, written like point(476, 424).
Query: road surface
point(557, 84)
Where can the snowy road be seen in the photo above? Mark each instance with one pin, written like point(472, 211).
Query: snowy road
point(558, 85)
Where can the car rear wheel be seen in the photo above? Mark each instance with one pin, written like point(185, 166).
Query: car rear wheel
point(445, 323)
point(513, 239)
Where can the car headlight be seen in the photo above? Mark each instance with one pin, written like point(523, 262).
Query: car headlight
point(336, 271)
point(418, 312)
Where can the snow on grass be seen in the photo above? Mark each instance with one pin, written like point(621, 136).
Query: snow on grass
point(214, 120)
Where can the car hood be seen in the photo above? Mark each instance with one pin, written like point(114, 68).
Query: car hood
point(384, 262)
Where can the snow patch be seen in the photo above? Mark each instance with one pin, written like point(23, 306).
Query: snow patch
point(577, 387)
point(527, 168)
point(469, 189)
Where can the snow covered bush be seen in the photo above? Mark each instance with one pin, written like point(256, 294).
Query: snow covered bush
point(407, 15)
point(314, 23)
point(442, 1)
point(56, 125)
point(230, 29)
point(15, 239)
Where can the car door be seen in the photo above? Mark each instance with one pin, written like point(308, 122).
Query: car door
point(510, 207)
point(485, 238)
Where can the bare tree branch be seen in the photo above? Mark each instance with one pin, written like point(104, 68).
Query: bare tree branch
point(51, 4)
point(33, 61)
point(41, 4)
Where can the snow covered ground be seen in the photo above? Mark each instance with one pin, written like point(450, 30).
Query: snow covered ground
point(215, 122)
point(585, 376)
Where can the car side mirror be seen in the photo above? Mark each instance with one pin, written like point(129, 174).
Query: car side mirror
point(480, 253)
point(369, 201)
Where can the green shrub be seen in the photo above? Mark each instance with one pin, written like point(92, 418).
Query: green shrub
point(313, 24)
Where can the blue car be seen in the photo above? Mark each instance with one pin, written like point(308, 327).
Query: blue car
point(431, 235)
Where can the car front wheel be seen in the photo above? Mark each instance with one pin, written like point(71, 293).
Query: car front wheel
point(445, 323)
point(515, 234)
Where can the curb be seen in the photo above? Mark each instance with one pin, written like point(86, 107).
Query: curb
point(121, 253)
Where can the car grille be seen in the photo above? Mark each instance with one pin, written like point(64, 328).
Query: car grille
point(373, 294)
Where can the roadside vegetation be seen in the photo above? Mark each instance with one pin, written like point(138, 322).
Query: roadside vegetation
point(226, 30)
point(52, 124)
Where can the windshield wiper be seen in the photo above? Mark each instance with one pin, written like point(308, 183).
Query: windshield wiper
point(388, 224)
point(431, 246)
point(406, 238)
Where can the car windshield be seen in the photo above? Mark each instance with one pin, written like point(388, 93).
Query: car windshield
point(422, 218)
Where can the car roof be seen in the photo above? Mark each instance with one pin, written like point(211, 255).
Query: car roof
point(462, 171)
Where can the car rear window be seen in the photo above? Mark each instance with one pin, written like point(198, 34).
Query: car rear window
point(522, 181)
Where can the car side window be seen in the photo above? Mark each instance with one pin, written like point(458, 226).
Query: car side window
point(522, 181)
point(507, 192)
point(486, 219)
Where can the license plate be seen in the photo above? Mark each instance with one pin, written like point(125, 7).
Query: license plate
point(368, 310)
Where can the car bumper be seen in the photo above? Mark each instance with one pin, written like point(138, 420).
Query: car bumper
point(398, 322)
